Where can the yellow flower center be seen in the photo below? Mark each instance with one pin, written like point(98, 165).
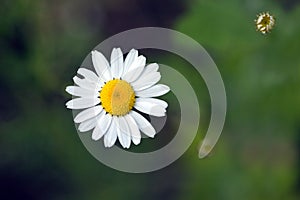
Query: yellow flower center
point(265, 20)
point(117, 97)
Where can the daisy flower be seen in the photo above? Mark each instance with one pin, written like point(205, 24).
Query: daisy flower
point(264, 22)
point(112, 97)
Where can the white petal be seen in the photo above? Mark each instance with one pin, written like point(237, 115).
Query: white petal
point(146, 81)
point(89, 75)
point(81, 92)
point(154, 101)
point(135, 69)
point(111, 136)
point(154, 91)
point(80, 103)
point(143, 124)
point(88, 113)
point(150, 108)
point(153, 67)
point(87, 84)
point(102, 126)
point(101, 65)
point(123, 132)
point(134, 130)
point(87, 125)
point(116, 63)
point(130, 58)
point(148, 71)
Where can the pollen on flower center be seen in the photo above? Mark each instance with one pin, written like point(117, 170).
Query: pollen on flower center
point(117, 97)
point(265, 22)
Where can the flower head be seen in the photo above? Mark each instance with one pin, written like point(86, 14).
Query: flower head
point(109, 96)
point(264, 22)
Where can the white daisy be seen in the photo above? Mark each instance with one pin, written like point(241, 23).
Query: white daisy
point(109, 96)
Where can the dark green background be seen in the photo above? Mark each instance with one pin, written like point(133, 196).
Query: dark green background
point(42, 43)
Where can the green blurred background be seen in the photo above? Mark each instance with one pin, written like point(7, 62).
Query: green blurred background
point(42, 43)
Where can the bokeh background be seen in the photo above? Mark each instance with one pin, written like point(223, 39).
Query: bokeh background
point(42, 43)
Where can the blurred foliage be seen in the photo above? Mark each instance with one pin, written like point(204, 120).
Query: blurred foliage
point(261, 76)
point(42, 43)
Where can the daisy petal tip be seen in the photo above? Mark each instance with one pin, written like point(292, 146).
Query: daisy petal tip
point(80, 130)
point(95, 54)
point(119, 51)
point(161, 115)
point(76, 120)
point(95, 137)
point(108, 144)
point(167, 88)
point(134, 51)
point(150, 132)
point(69, 89)
point(67, 104)
point(74, 78)
point(155, 65)
point(136, 142)
point(142, 58)
point(125, 146)
point(115, 50)
point(95, 51)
